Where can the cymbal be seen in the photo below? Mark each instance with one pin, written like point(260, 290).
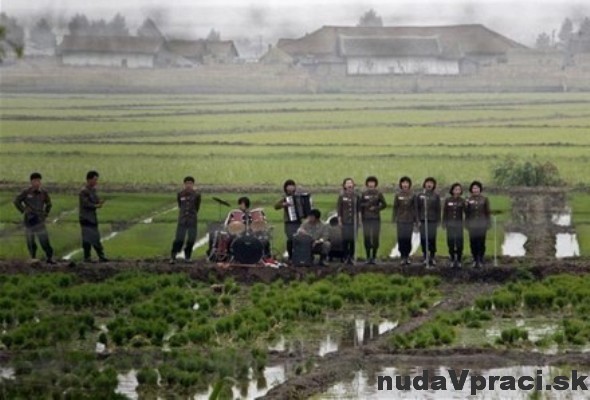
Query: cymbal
point(225, 203)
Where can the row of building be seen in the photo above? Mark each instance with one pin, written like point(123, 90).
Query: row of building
point(435, 50)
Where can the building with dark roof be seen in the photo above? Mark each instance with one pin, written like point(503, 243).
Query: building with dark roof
point(431, 50)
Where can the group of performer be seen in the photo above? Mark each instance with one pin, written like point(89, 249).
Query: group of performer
point(245, 237)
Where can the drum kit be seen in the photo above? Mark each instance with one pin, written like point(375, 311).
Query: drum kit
point(243, 238)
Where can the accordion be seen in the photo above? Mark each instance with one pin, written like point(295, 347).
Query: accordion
point(298, 206)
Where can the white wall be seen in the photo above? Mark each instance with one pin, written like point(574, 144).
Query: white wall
point(109, 60)
point(401, 65)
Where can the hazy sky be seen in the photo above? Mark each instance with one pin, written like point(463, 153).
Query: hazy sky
point(268, 20)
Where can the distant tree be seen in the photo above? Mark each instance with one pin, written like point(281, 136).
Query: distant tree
point(370, 18)
point(12, 36)
point(543, 41)
point(584, 31)
point(117, 26)
point(98, 28)
point(42, 35)
point(511, 172)
point(213, 36)
point(79, 25)
point(566, 31)
point(149, 29)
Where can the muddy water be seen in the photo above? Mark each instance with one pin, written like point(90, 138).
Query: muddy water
point(563, 218)
point(513, 245)
point(364, 384)
point(6, 373)
point(128, 384)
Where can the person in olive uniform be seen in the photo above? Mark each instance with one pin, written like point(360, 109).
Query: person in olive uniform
point(348, 207)
point(34, 203)
point(372, 202)
point(89, 202)
point(404, 216)
point(291, 227)
point(189, 202)
point(428, 213)
point(318, 231)
point(453, 211)
point(478, 221)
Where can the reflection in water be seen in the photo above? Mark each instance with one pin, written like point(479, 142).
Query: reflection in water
point(356, 333)
point(279, 346)
point(364, 384)
point(128, 384)
point(256, 386)
point(513, 245)
point(415, 245)
point(566, 245)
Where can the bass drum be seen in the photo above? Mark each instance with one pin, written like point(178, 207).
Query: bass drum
point(247, 249)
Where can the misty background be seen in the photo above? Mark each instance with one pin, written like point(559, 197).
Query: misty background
point(263, 22)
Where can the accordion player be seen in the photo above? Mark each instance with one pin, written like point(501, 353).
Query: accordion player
point(298, 206)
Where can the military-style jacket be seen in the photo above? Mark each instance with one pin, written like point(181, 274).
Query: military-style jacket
point(317, 231)
point(189, 202)
point(453, 211)
point(279, 205)
point(404, 209)
point(89, 201)
point(372, 202)
point(432, 206)
point(477, 212)
point(34, 204)
point(348, 206)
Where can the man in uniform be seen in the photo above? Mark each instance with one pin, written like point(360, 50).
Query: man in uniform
point(89, 203)
point(189, 202)
point(428, 213)
point(453, 211)
point(404, 216)
point(478, 221)
point(34, 203)
point(348, 207)
point(372, 202)
point(318, 232)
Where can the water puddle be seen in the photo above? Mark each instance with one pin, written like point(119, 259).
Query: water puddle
point(359, 332)
point(327, 345)
point(415, 246)
point(151, 219)
point(566, 245)
point(563, 218)
point(256, 386)
point(365, 384)
point(513, 245)
point(7, 373)
point(127, 385)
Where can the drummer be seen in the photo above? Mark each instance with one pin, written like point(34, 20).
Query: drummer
point(243, 207)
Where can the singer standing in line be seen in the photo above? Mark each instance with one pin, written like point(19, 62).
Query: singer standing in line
point(404, 216)
point(428, 213)
point(478, 220)
point(372, 202)
point(348, 208)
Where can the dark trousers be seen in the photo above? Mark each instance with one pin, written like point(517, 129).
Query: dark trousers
point(91, 238)
point(477, 240)
point(182, 231)
point(431, 237)
point(455, 241)
point(348, 241)
point(404, 238)
point(371, 230)
point(41, 232)
point(290, 230)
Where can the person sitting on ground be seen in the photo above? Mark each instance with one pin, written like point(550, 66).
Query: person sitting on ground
point(314, 227)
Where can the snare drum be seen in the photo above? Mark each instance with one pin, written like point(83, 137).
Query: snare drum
point(258, 220)
point(236, 222)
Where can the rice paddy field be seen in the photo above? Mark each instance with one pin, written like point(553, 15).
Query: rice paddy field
point(139, 328)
